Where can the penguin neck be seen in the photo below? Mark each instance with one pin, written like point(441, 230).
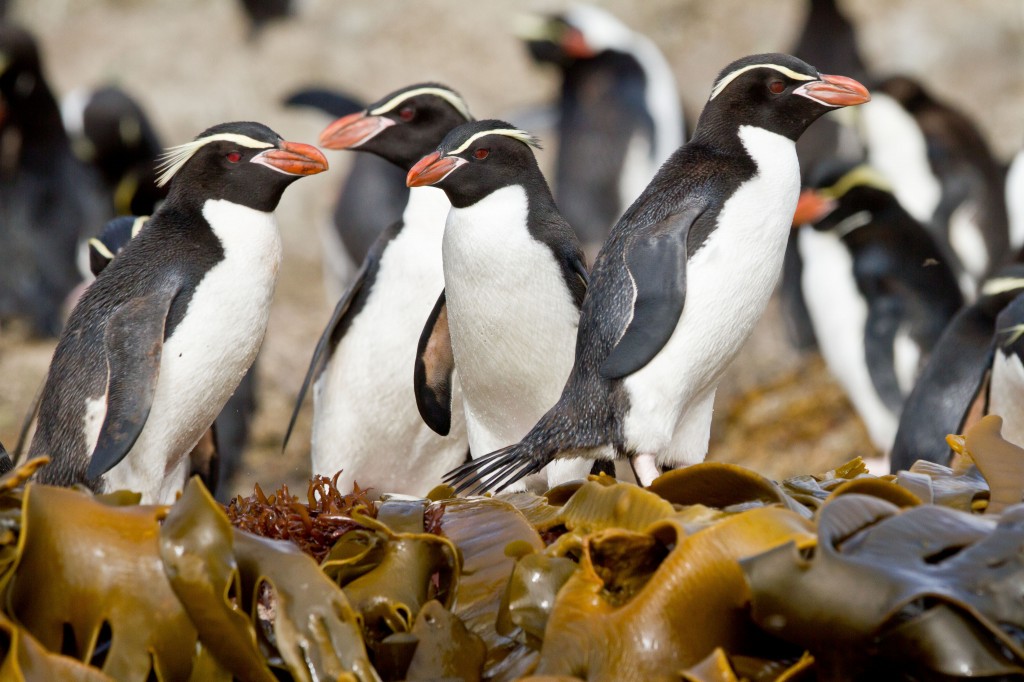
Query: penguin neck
point(42, 130)
point(426, 211)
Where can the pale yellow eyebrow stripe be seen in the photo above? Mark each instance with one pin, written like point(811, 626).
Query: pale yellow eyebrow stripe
point(1000, 285)
point(446, 95)
point(520, 135)
point(174, 158)
point(785, 71)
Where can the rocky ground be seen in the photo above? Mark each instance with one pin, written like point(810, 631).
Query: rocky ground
point(191, 64)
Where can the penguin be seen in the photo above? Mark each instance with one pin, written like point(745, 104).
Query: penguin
point(259, 13)
point(372, 197)
point(219, 454)
point(619, 114)
point(1015, 201)
point(365, 419)
point(159, 341)
point(514, 281)
point(878, 289)
point(942, 172)
point(978, 342)
point(49, 200)
point(111, 131)
point(681, 281)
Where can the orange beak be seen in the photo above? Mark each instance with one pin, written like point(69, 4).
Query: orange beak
point(835, 91)
point(293, 158)
point(348, 132)
point(432, 169)
point(811, 208)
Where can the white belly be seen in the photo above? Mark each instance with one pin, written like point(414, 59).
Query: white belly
point(366, 423)
point(839, 314)
point(513, 322)
point(210, 350)
point(729, 281)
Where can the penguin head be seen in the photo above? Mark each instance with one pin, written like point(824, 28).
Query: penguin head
point(582, 32)
point(116, 234)
point(244, 163)
point(777, 92)
point(843, 197)
point(402, 126)
point(20, 67)
point(477, 159)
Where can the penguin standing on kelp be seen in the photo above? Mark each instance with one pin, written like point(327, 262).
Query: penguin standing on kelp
point(682, 280)
point(159, 341)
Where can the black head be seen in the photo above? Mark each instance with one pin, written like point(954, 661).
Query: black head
point(582, 32)
point(777, 92)
point(402, 126)
point(245, 163)
point(116, 234)
point(844, 192)
point(477, 159)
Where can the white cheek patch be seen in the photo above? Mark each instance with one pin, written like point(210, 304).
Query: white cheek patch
point(174, 158)
point(785, 71)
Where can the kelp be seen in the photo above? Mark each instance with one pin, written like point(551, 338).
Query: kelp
point(876, 578)
point(28, 661)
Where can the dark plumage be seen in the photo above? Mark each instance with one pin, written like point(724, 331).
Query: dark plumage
point(49, 200)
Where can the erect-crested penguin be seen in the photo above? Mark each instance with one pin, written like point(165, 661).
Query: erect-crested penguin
point(619, 115)
point(159, 341)
point(49, 200)
point(365, 420)
point(878, 289)
point(514, 279)
point(978, 339)
point(709, 231)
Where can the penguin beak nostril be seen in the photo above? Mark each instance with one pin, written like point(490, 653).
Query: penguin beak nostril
point(432, 169)
point(348, 132)
point(812, 207)
point(293, 158)
point(835, 91)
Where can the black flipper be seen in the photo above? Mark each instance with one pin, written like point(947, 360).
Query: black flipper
point(884, 316)
point(948, 384)
point(656, 261)
point(319, 359)
point(330, 102)
point(133, 341)
point(432, 376)
point(6, 463)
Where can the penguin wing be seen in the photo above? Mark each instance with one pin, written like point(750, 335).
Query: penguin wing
point(320, 356)
point(947, 386)
point(330, 102)
point(133, 342)
point(885, 314)
point(432, 376)
point(656, 262)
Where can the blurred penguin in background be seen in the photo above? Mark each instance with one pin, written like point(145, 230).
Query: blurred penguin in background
point(110, 130)
point(372, 196)
point(49, 200)
point(942, 172)
point(1015, 201)
point(619, 115)
point(878, 289)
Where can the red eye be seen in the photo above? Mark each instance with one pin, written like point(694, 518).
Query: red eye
point(776, 87)
point(406, 113)
point(481, 153)
point(234, 157)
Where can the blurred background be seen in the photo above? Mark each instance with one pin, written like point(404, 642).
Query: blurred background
point(195, 63)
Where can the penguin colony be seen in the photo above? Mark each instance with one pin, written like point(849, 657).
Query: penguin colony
point(498, 333)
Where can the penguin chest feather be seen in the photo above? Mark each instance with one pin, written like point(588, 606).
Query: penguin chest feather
point(729, 280)
point(512, 319)
point(208, 352)
point(366, 422)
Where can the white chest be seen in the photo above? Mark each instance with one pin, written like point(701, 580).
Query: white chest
point(512, 320)
point(728, 284)
point(210, 350)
